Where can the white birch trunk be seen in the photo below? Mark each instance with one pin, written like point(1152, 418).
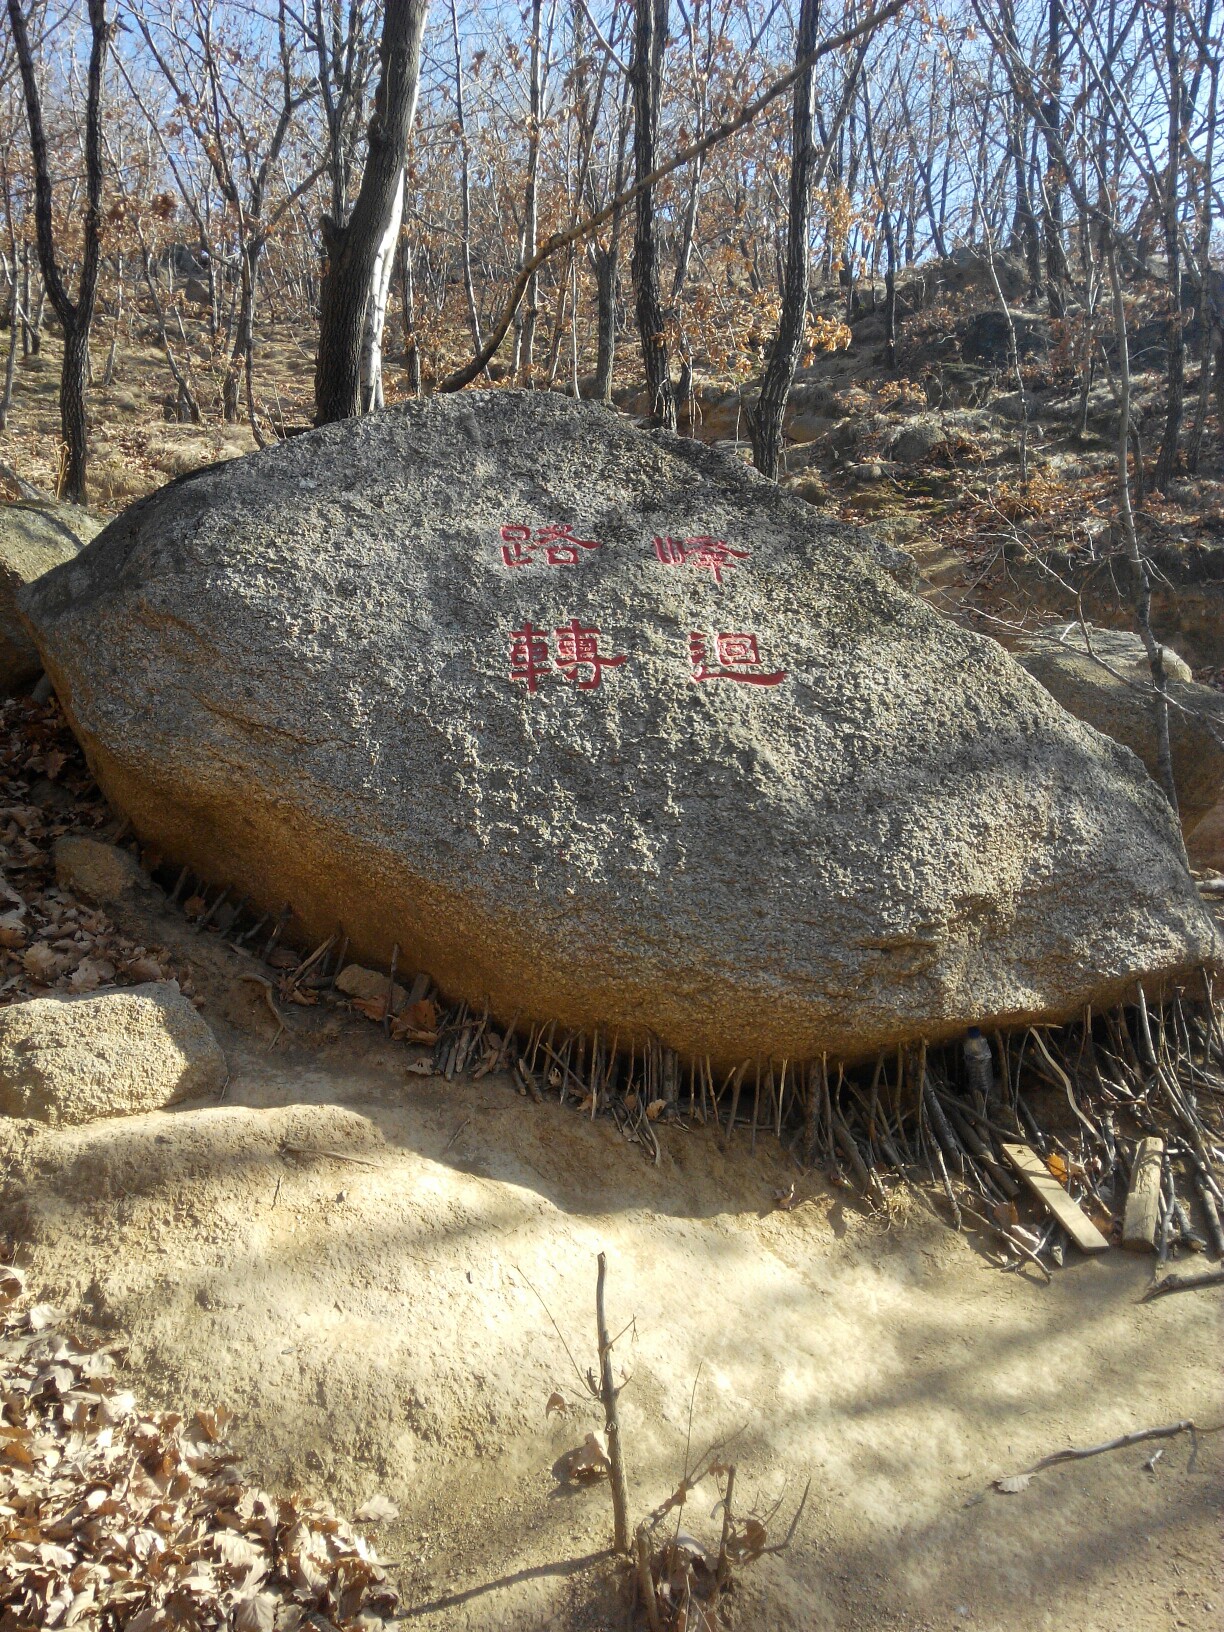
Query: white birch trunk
point(376, 314)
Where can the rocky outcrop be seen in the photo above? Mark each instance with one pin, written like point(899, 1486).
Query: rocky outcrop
point(1112, 690)
point(73, 1059)
point(33, 539)
point(597, 726)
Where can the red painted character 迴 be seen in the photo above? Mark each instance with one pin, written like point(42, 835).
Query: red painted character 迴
point(737, 657)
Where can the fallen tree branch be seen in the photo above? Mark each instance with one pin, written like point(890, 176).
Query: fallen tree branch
point(1010, 1484)
point(1183, 1283)
point(1080, 1453)
point(287, 1149)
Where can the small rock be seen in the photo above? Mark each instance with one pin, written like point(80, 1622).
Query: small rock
point(807, 486)
point(102, 873)
point(1015, 406)
point(916, 440)
point(987, 337)
point(66, 1060)
point(356, 981)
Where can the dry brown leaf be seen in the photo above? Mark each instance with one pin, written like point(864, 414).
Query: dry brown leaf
point(12, 1282)
point(91, 973)
point(655, 1109)
point(424, 1015)
point(374, 1008)
point(748, 1543)
point(1057, 1167)
point(557, 1402)
point(378, 1510)
point(256, 1614)
point(1013, 1483)
point(42, 962)
point(589, 1460)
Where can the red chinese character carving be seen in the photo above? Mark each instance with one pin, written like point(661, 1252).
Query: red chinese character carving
point(513, 540)
point(670, 551)
point(704, 551)
point(738, 657)
point(560, 547)
point(578, 648)
point(529, 656)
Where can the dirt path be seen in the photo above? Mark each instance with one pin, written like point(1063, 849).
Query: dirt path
point(375, 1329)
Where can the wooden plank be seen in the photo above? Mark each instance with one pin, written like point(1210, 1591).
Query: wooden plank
point(1142, 1218)
point(1055, 1199)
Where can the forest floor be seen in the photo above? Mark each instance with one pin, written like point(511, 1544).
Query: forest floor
point(366, 1266)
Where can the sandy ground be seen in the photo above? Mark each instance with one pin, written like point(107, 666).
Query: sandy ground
point(380, 1328)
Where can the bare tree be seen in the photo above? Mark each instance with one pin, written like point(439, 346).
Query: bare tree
point(646, 73)
point(75, 316)
point(767, 421)
point(353, 249)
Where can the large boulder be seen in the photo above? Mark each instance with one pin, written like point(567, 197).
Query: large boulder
point(33, 539)
point(1112, 689)
point(987, 336)
point(72, 1059)
point(596, 725)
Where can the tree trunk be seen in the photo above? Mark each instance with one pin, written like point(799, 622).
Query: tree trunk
point(74, 425)
point(76, 316)
point(1025, 228)
point(531, 198)
point(248, 261)
point(1056, 260)
point(646, 72)
point(766, 422)
point(376, 316)
point(607, 263)
point(605, 295)
point(465, 187)
point(1140, 579)
point(1176, 379)
point(10, 365)
point(352, 250)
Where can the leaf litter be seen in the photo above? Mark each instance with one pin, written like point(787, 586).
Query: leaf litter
point(119, 1520)
point(50, 941)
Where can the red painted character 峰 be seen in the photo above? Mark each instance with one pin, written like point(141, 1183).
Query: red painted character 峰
point(560, 547)
point(736, 656)
point(577, 657)
point(714, 555)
